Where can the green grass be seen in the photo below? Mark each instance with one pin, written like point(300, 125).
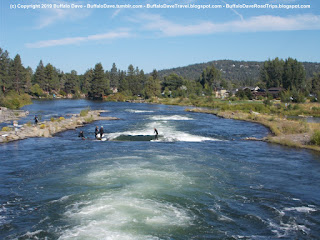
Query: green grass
point(84, 112)
point(315, 138)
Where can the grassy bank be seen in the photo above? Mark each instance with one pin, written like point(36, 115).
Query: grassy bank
point(274, 115)
point(13, 100)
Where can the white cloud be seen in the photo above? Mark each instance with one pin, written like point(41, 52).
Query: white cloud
point(51, 16)
point(78, 40)
point(116, 13)
point(264, 23)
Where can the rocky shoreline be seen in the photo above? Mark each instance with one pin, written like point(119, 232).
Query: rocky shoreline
point(7, 115)
point(49, 128)
point(297, 140)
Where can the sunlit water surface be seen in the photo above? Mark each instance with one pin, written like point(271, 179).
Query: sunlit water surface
point(200, 180)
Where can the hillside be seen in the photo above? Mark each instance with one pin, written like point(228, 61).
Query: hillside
point(241, 72)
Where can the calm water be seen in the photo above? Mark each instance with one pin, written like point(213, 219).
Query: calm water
point(198, 181)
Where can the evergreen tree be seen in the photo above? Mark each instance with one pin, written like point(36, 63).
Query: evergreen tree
point(87, 79)
point(294, 75)
point(28, 78)
point(71, 85)
point(114, 76)
point(123, 83)
point(17, 74)
point(51, 78)
point(4, 70)
point(315, 81)
point(172, 82)
point(152, 88)
point(272, 72)
point(39, 76)
point(98, 84)
point(154, 74)
point(210, 78)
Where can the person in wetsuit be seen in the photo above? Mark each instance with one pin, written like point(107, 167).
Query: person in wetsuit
point(36, 120)
point(156, 134)
point(96, 132)
point(81, 134)
point(101, 131)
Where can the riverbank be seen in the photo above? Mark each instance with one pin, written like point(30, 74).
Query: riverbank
point(283, 131)
point(7, 115)
point(49, 128)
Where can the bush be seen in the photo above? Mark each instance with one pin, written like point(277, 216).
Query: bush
point(84, 112)
point(315, 139)
point(6, 129)
point(42, 126)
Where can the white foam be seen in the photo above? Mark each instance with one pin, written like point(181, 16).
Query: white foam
point(62, 199)
point(127, 211)
point(170, 118)
point(138, 111)
point(167, 132)
point(301, 209)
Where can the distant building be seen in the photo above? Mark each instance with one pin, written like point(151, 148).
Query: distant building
point(221, 93)
point(114, 89)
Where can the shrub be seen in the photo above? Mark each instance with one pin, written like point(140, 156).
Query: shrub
point(52, 119)
point(315, 139)
point(6, 129)
point(84, 112)
point(60, 119)
point(42, 126)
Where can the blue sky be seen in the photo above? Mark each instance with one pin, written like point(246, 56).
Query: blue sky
point(77, 39)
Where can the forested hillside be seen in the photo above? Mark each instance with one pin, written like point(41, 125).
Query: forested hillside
point(18, 83)
point(241, 73)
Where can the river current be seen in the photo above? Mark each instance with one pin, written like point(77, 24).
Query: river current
point(199, 180)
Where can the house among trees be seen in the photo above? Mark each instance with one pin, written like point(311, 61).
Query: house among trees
point(221, 93)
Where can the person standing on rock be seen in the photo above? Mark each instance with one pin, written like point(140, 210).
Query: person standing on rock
point(101, 132)
point(96, 132)
point(36, 120)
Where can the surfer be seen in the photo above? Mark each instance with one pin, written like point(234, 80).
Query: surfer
point(81, 134)
point(101, 132)
point(96, 131)
point(156, 134)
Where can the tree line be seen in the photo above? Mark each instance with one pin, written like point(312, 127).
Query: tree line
point(96, 83)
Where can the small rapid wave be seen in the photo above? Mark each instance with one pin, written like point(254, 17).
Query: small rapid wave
point(138, 111)
point(167, 133)
point(170, 118)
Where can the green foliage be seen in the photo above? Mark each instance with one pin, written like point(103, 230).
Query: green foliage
point(84, 112)
point(289, 74)
point(285, 96)
point(315, 139)
point(6, 129)
point(298, 96)
point(13, 100)
point(36, 90)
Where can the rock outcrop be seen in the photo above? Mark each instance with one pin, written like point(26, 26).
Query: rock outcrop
point(49, 128)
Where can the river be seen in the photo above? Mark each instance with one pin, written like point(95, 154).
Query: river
point(200, 180)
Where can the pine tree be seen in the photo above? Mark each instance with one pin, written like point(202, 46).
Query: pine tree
point(123, 83)
point(98, 84)
point(87, 79)
point(17, 74)
point(39, 76)
point(72, 82)
point(51, 78)
point(114, 76)
point(4, 70)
